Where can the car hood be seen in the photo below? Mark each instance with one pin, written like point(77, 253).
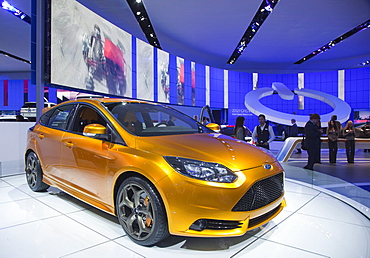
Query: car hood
point(219, 148)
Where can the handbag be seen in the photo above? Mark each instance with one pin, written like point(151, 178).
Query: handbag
point(303, 144)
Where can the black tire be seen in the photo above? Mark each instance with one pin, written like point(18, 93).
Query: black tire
point(34, 173)
point(141, 212)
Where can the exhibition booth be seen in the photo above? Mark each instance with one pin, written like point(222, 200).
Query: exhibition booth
point(325, 216)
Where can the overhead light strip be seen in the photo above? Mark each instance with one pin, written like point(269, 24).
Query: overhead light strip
point(16, 12)
point(261, 15)
point(334, 42)
point(15, 57)
point(367, 62)
point(142, 17)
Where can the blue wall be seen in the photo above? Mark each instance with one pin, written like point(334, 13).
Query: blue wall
point(356, 85)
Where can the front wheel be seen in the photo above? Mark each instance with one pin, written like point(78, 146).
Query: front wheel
point(141, 212)
point(34, 173)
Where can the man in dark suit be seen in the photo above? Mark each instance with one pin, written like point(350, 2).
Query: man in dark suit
point(312, 140)
point(293, 132)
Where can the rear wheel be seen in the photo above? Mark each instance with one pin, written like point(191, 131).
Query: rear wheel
point(34, 173)
point(141, 212)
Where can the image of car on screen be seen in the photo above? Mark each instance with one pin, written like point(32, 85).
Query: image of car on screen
point(105, 62)
point(159, 171)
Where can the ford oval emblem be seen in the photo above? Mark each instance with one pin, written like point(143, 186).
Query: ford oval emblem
point(267, 166)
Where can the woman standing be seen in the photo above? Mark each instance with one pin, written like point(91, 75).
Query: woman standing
point(333, 133)
point(239, 130)
point(349, 134)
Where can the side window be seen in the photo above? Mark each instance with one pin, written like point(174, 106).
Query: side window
point(59, 117)
point(44, 119)
point(85, 116)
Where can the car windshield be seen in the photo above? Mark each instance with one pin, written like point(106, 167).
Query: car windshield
point(29, 105)
point(144, 119)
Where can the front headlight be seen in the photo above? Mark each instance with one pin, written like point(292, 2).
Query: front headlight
point(206, 171)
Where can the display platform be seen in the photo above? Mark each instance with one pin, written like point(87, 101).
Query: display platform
point(316, 223)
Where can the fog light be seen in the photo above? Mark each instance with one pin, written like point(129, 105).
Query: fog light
point(199, 225)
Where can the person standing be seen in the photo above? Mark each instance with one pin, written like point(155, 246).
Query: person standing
point(349, 134)
point(205, 120)
point(239, 130)
point(171, 121)
point(337, 124)
point(321, 131)
point(263, 134)
point(312, 140)
point(293, 132)
point(333, 133)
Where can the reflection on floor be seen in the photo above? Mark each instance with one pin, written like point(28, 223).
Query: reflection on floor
point(53, 224)
point(357, 173)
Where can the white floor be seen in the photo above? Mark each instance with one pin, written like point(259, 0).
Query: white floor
point(53, 224)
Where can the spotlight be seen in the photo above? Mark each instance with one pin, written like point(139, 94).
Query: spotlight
point(268, 8)
point(138, 1)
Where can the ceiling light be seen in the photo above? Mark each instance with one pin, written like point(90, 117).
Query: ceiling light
point(334, 42)
point(16, 12)
point(14, 57)
point(265, 9)
point(143, 19)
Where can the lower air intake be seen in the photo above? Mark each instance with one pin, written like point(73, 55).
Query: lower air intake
point(261, 194)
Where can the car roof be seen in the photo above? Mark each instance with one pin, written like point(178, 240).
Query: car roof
point(106, 100)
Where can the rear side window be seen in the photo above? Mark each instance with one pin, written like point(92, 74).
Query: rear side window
point(44, 119)
point(59, 117)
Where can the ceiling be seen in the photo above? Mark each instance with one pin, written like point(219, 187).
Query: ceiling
point(208, 31)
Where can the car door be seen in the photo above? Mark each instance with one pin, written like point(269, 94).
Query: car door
point(48, 140)
point(86, 160)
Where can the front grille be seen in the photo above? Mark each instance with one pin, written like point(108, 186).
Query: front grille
point(261, 193)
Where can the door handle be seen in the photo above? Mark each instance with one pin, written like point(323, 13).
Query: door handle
point(41, 136)
point(69, 144)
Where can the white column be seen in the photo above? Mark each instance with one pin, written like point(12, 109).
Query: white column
point(341, 84)
point(255, 81)
point(300, 86)
point(208, 93)
point(226, 88)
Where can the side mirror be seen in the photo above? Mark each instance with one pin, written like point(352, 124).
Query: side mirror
point(213, 126)
point(96, 131)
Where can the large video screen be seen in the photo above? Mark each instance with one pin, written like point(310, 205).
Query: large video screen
point(144, 70)
point(163, 76)
point(361, 116)
point(88, 52)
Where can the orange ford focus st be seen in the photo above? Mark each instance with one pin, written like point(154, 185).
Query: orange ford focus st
point(159, 171)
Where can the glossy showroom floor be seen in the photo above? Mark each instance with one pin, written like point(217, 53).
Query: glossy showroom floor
point(53, 224)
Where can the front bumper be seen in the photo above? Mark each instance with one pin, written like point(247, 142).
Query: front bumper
point(225, 208)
